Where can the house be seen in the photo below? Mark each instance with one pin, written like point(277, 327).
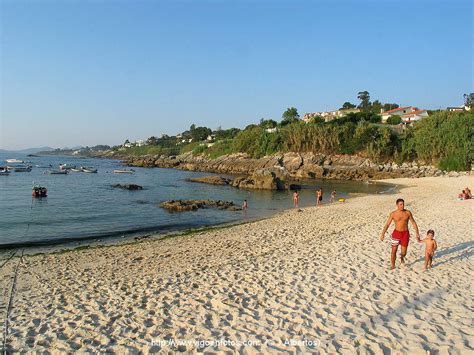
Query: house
point(407, 113)
point(458, 109)
point(140, 143)
point(271, 130)
point(329, 115)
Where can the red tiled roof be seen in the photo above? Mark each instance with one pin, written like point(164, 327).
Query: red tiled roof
point(397, 109)
point(413, 113)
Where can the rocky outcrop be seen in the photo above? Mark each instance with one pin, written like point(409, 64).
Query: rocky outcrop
point(260, 180)
point(131, 187)
point(291, 166)
point(212, 180)
point(193, 205)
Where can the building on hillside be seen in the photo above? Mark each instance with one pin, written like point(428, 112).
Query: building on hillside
point(140, 143)
point(408, 114)
point(271, 130)
point(329, 115)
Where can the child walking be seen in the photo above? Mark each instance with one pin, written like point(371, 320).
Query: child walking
point(430, 248)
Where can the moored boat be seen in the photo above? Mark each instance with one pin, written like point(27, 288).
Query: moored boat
point(124, 171)
point(4, 171)
point(22, 168)
point(88, 169)
point(14, 161)
point(58, 172)
point(66, 166)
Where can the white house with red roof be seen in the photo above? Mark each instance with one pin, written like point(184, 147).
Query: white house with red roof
point(407, 113)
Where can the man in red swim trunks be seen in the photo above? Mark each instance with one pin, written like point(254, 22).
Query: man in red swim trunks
point(400, 235)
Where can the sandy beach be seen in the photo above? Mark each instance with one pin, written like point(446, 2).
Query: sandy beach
point(317, 280)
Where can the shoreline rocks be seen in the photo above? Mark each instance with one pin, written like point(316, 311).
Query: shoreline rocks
point(292, 166)
point(193, 205)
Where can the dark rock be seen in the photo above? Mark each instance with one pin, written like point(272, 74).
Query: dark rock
point(192, 205)
point(128, 186)
point(213, 180)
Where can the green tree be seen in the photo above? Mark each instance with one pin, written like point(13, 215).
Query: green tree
point(469, 100)
point(347, 105)
point(376, 106)
point(364, 98)
point(152, 140)
point(199, 133)
point(394, 120)
point(388, 106)
point(267, 123)
point(289, 116)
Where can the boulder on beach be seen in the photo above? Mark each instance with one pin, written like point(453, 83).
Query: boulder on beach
point(213, 180)
point(260, 180)
point(193, 205)
point(131, 187)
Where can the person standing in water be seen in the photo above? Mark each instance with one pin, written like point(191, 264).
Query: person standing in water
point(333, 196)
point(296, 199)
point(319, 196)
point(245, 205)
point(400, 235)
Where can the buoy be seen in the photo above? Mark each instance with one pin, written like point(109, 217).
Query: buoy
point(342, 200)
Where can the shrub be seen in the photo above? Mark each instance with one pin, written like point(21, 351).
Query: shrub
point(394, 120)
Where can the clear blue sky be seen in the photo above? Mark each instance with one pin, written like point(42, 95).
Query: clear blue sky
point(98, 72)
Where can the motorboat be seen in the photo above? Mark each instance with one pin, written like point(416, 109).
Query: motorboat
point(39, 191)
point(88, 169)
point(14, 161)
point(58, 172)
point(22, 168)
point(4, 171)
point(76, 170)
point(124, 171)
point(66, 166)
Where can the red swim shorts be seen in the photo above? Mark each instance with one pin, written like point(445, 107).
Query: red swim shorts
point(400, 237)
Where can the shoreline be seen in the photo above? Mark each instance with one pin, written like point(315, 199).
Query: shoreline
point(320, 275)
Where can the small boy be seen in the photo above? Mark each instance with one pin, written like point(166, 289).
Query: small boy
point(430, 248)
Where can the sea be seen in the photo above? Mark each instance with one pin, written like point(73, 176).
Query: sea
point(82, 207)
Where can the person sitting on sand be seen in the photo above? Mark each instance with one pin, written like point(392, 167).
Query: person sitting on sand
point(333, 196)
point(430, 248)
point(319, 196)
point(467, 193)
point(462, 195)
point(296, 199)
point(400, 235)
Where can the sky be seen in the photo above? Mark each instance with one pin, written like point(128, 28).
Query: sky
point(100, 71)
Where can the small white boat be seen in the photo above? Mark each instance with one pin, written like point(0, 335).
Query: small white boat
point(14, 161)
point(4, 171)
point(76, 170)
point(66, 166)
point(88, 169)
point(124, 171)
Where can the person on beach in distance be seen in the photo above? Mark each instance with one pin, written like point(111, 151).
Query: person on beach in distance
point(245, 205)
point(430, 248)
point(400, 235)
point(296, 199)
point(319, 196)
point(333, 196)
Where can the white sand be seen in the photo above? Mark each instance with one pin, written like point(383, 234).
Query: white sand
point(320, 276)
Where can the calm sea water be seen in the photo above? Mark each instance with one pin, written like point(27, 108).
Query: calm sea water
point(82, 206)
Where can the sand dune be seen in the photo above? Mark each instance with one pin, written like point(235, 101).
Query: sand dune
point(314, 280)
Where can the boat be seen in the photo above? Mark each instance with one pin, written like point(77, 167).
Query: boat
point(14, 161)
point(66, 166)
point(58, 172)
point(124, 171)
point(4, 171)
point(88, 169)
point(22, 168)
point(76, 170)
point(39, 191)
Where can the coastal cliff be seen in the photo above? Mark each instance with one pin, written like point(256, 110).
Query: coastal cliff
point(294, 166)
